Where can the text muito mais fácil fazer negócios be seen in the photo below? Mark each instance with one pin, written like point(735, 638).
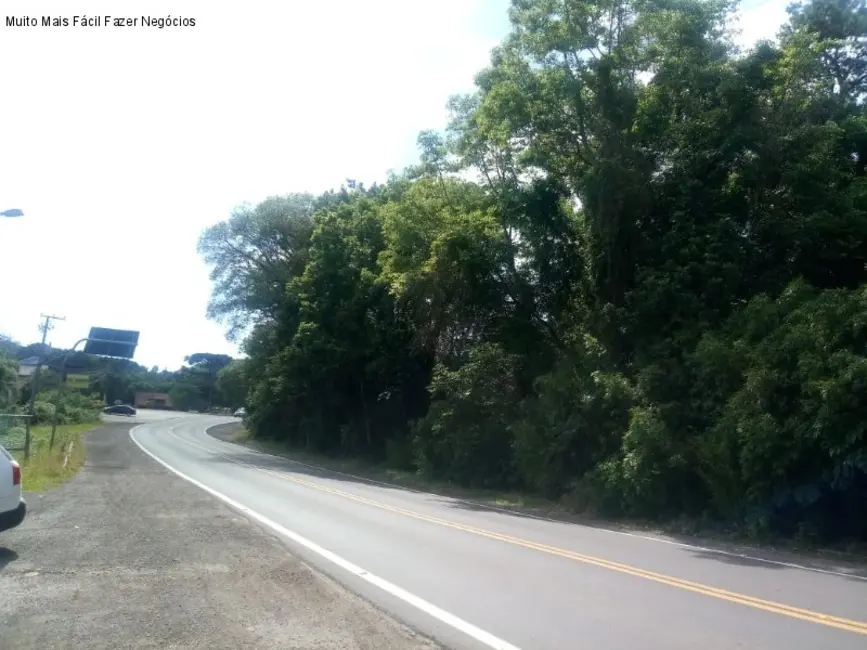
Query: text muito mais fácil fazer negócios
point(99, 21)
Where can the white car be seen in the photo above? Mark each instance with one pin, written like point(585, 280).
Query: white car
point(12, 506)
point(241, 412)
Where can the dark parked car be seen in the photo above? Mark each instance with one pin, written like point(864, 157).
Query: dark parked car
point(119, 409)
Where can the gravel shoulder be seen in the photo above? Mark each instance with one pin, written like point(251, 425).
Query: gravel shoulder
point(128, 555)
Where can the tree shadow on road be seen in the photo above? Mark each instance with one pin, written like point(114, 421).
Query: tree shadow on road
point(7, 555)
point(245, 457)
point(758, 558)
point(539, 514)
point(720, 551)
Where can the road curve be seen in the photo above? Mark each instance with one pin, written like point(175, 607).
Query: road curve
point(473, 578)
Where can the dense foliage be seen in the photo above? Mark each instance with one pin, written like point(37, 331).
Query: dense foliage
point(196, 385)
point(8, 379)
point(73, 407)
point(652, 300)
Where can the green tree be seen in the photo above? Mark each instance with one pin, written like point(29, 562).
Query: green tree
point(649, 302)
point(8, 380)
point(187, 396)
point(233, 384)
point(253, 255)
point(207, 366)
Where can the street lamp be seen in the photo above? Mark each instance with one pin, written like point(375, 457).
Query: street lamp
point(12, 213)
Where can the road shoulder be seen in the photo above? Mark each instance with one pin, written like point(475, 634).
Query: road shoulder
point(126, 554)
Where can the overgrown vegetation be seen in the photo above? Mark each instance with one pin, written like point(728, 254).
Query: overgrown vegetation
point(46, 467)
point(73, 407)
point(49, 467)
point(652, 301)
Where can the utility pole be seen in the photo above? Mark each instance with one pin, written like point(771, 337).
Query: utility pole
point(46, 325)
point(34, 384)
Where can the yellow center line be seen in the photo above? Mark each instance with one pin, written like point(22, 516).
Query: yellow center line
point(858, 627)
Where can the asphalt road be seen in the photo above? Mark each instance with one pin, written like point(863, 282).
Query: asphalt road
point(129, 555)
point(473, 578)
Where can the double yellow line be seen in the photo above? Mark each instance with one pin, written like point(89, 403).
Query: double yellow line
point(858, 627)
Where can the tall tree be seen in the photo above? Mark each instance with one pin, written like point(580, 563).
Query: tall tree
point(233, 383)
point(649, 301)
point(253, 255)
point(209, 365)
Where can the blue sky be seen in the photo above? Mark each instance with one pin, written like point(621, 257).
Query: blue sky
point(128, 142)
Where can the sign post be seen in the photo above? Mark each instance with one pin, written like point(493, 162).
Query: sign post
point(79, 382)
point(103, 342)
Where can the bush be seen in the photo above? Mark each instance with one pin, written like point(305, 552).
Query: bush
point(399, 453)
point(575, 420)
point(788, 448)
point(74, 407)
point(43, 411)
point(466, 436)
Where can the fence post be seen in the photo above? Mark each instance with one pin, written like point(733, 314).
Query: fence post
point(27, 437)
point(10, 421)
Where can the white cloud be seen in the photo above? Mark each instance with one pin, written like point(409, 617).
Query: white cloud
point(122, 144)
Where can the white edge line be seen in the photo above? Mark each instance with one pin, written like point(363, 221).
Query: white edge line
point(428, 608)
point(650, 538)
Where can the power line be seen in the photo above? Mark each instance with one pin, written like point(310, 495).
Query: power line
point(47, 325)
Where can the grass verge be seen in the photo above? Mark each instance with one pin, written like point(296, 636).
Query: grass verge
point(378, 472)
point(47, 468)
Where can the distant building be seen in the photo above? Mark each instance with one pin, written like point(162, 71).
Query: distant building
point(26, 369)
point(153, 400)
